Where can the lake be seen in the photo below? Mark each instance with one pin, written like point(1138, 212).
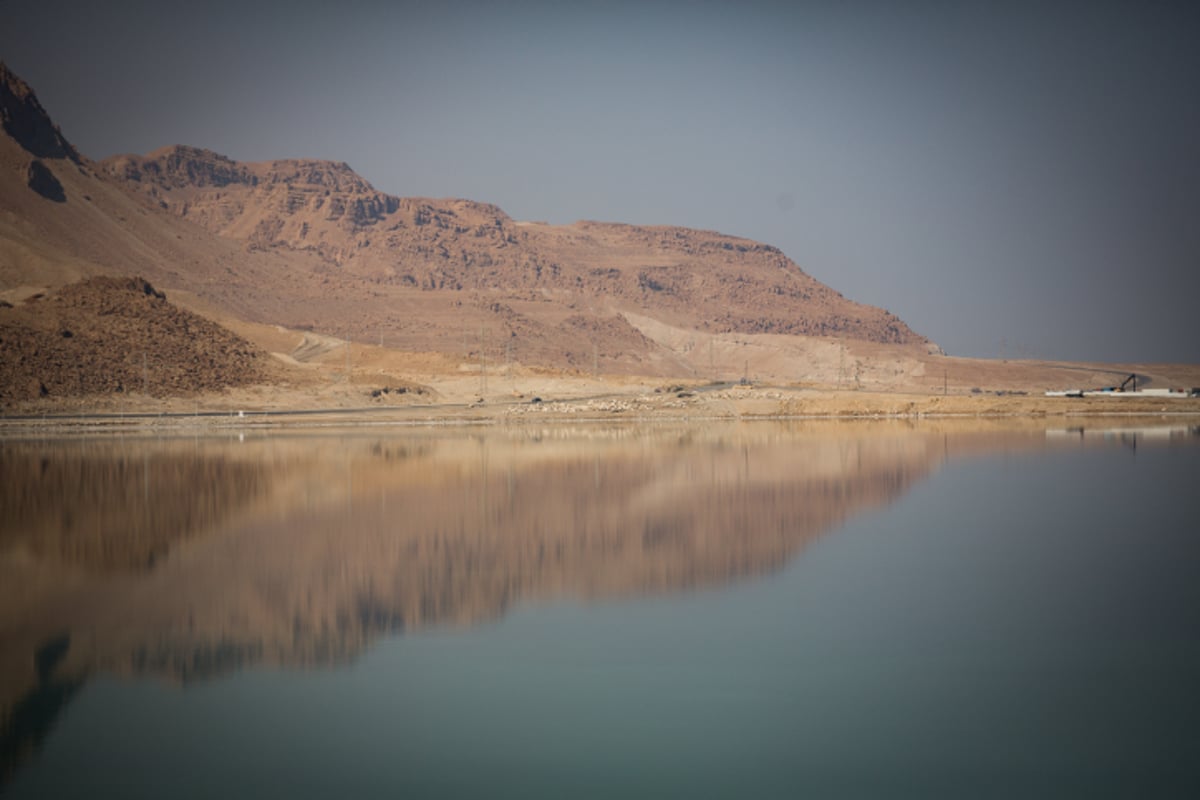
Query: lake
point(805, 609)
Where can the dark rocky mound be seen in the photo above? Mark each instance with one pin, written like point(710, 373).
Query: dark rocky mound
point(112, 335)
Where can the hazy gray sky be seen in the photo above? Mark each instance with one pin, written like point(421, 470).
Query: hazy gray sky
point(1010, 178)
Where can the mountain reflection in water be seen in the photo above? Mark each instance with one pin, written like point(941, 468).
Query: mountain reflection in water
point(187, 558)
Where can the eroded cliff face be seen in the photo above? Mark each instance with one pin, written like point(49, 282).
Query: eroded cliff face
point(310, 244)
point(698, 279)
point(185, 559)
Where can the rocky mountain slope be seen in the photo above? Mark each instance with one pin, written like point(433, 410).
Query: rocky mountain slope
point(699, 279)
point(311, 245)
point(61, 220)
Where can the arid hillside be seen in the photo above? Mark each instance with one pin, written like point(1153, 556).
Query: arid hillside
point(691, 278)
point(115, 336)
point(294, 252)
point(61, 219)
point(312, 246)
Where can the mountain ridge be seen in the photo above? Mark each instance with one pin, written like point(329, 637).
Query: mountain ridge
point(327, 209)
point(311, 245)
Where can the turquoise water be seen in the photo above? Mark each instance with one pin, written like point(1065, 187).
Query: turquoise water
point(1010, 615)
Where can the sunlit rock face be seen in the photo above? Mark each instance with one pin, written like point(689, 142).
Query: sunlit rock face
point(532, 274)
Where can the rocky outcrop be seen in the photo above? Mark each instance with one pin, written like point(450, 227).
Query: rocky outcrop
point(287, 187)
point(24, 119)
point(179, 167)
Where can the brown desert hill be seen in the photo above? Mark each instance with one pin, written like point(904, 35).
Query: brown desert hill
point(691, 278)
point(311, 245)
point(61, 220)
point(107, 335)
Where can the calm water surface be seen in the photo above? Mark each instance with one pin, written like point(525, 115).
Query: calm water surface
point(806, 610)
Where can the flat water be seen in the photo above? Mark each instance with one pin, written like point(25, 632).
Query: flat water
point(764, 610)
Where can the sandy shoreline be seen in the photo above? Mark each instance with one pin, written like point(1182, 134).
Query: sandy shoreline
point(263, 409)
